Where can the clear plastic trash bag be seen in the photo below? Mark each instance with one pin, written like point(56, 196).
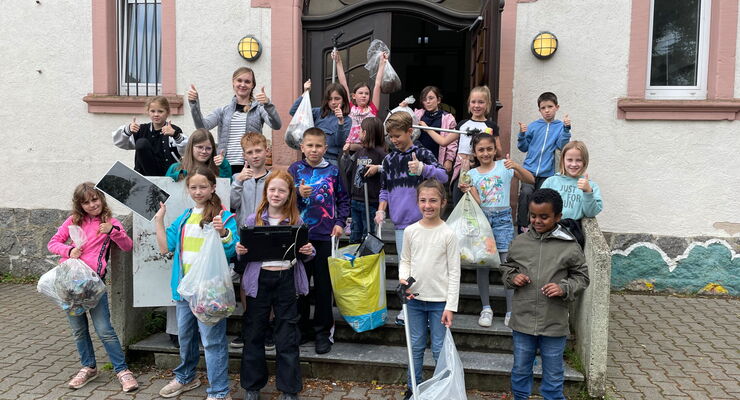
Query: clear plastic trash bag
point(415, 133)
point(207, 287)
point(474, 234)
point(302, 120)
point(72, 284)
point(448, 381)
point(390, 83)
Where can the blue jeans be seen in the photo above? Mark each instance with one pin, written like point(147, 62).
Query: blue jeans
point(216, 349)
point(424, 317)
point(502, 227)
point(399, 242)
point(100, 316)
point(359, 230)
point(553, 368)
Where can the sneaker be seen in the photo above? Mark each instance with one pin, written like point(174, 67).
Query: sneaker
point(288, 396)
point(128, 382)
point(408, 394)
point(175, 340)
point(237, 343)
point(228, 397)
point(269, 343)
point(486, 317)
point(175, 388)
point(507, 318)
point(252, 395)
point(323, 346)
point(85, 375)
point(399, 319)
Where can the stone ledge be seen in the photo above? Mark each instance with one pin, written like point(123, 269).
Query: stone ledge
point(682, 110)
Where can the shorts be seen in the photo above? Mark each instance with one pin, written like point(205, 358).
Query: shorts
point(501, 224)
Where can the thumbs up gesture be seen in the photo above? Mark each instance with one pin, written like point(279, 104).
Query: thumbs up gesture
point(522, 127)
point(262, 96)
point(584, 185)
point(247, 173)
point(219, 158)
point(508, 163)
point(218, 224)
point(167, 129)
point(304, 190)
point(133, 126)
point(415, 166)
point(566, 120)
point(338, 113)
point(192, 93)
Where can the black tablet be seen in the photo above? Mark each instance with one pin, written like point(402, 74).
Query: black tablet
point(273, 242)
point(132, 190)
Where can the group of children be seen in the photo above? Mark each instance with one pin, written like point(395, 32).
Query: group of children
point(408, 184)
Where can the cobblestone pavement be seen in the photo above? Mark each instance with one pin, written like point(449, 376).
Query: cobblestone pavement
point(667, 347)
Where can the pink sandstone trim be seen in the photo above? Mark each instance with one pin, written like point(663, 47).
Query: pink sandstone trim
point(722, 41)
point(703, 110)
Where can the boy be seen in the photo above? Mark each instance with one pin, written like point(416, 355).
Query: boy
point(324, 207)
point(403, 170)
point(547, 269)
point(543, 136)
point(246, 195)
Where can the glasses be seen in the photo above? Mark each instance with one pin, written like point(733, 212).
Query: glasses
point(204, 149)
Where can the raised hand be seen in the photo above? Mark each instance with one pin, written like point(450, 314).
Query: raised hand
point(566, 120)
point(167, 129)
point(307, 85)
point(339, 115)
point(262, 96)
point(219, 158)
point(161, 212)
point(218, 224)
point(415, 166)
point(192, 93)
point(584, 185)
point(336, 57)
point(521, 280)
point(133, 126)
point(304, 190)
point(508, 163)
point(247, 173)
point(522, 127)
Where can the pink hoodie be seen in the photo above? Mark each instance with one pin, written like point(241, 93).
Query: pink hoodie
point(95, 250)
point(448, 152)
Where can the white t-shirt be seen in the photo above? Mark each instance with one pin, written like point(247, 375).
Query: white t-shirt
point(468, 125)
point(278, 264)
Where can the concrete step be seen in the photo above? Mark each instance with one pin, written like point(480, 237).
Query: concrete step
point(468, 300)
point(467, 273)
point(363, 362)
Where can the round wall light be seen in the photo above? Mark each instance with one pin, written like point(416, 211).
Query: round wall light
point(250, 48)
point(544, 45)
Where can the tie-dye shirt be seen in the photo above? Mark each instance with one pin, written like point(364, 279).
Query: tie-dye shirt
point(328, 204)
point(493, 186)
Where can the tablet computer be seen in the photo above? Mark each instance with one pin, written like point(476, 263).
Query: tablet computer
point(273, 242)
point(132, 190)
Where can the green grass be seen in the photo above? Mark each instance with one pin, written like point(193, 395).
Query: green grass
point(107, 367)
point(23, 280)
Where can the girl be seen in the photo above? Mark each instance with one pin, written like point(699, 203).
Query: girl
point(158, 144)
point(365, 169)
point(360, 108)
point(246, 112)
point(330, 118)
point(185, 237)
point(90, 212)
point(431, 256)
point(479, 106)
point(444, 144)
point(492, 182)
point(274, 285)
point(200, 153)
point(581, 196)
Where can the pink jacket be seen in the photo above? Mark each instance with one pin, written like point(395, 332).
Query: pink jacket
point(95, 251)
point(445, 152)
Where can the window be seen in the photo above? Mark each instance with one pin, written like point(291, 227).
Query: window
point(139, 47)
point(678, 49)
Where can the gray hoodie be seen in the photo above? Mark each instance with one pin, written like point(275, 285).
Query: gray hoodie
point(553, 256)
point(246, 197)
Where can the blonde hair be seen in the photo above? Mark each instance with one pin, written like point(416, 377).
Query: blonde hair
point(398, 121)
point(486, 92)
point(83, 192)
point(244, 70)
point(161, 100)
point(578, 145)
point(289, 209)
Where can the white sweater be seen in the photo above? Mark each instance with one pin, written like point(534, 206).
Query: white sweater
point(431, 256)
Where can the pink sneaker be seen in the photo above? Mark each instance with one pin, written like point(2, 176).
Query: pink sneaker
point(128, 382)
point(85, 375)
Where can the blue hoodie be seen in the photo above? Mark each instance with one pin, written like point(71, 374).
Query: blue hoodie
point(543, 138)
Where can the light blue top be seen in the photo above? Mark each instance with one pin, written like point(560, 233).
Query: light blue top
point(576, 203)
point(493, 186)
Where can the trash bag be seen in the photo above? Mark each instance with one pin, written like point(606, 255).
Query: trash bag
point(390, 83)
point(415, 133)
point(207, 287)
point(302, 120)
point(448, 381)
point(359, 287)
point(73, 284)
point(474, 234)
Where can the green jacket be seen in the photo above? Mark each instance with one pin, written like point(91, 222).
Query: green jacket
point(553, 256)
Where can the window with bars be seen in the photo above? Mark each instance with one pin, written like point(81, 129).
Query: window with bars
point(139, 47)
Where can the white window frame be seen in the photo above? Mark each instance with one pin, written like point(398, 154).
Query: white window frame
point(698, 92)
point(134, 89)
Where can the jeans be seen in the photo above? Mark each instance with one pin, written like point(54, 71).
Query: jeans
point(359, 230)
point(100, 316)
point(424, 317)
point(399, 242)
point(503, 229)
point(553, 369)
point(214, 344)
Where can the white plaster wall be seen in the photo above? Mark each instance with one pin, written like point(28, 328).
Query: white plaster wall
point(662, 177)
point(51, 143)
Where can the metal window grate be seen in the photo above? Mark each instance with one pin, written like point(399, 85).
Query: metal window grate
point(139, 47)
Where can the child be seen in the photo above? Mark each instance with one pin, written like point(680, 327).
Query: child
point(362, 107)
point(442, 143)
point(91, 213)
point(200, 153)
point(324, 207)
point(246, 194)
point(431, 256)
point(492, 182)
point(543, 136)
point(365, 169)
point(581, 196)
point(158, 144)
point(246, 112)
point(544, 285)
point(330, 118)
point(479, 106)
point(185, 237)
point(274, 286)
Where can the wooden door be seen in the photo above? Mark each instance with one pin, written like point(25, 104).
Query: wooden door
point(484, 51)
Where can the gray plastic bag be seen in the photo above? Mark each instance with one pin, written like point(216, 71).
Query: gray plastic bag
point(391, 83)
point(448, 381)
point(415, 133)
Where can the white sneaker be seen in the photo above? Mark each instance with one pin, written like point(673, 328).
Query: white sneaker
point(486, 317)
point(507, 318)
point(175, 388)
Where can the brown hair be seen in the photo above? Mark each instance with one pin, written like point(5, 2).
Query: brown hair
point(290, 208)
point(83, 192)
point(161, 100)
point(334, 87)
point(373, 128)
point(244, 70)
point(213, 206)
point(433, 89)
point(578, 145)
point(432, 184)
point(253, 139)
point(188, 162)
point(486, 93)
point(399, 121)
point(547, 96)
point(315, 132)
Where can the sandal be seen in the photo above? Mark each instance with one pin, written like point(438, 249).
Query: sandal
point(128, 382)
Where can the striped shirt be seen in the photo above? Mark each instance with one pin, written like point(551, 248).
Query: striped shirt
point(192, 239)
point(237, 129)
